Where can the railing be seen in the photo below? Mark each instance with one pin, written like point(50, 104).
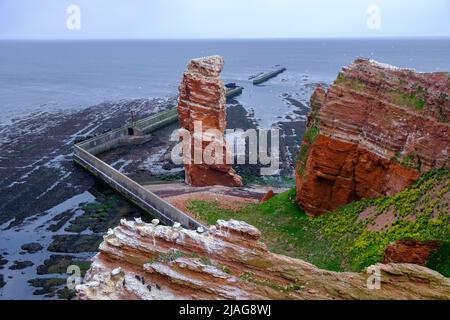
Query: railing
point(119, 136)
point(84, 154)
point(152, 123)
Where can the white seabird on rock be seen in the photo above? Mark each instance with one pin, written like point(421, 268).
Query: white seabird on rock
point(200, 230)
point(177, 225)
point(116, 272)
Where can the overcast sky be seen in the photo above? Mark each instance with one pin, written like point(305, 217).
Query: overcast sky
point(185, 19)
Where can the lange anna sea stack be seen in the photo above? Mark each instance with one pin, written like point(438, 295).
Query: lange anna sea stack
point(373, 133)
point(202, 110)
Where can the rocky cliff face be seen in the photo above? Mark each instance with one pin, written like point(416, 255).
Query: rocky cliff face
point(372, 133)
point(227, 261)
point(202, 101)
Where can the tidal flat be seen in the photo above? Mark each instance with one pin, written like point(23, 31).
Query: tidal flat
point(54, 214)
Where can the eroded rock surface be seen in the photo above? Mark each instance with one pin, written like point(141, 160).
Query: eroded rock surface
point(227, 261)
point(202, 103)
point(374, 131)
point(410, 251)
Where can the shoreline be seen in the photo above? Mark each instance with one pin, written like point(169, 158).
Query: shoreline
point(70, 210)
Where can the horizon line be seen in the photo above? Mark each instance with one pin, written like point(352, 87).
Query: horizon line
point(234, 39)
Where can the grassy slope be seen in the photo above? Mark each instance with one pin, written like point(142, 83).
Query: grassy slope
point(338, 241)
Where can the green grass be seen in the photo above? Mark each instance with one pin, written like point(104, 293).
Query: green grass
point(177, 176)
point(251, 277)
point(274, 181)
point(311, 134)
point(419, 89)
point(170, 256)
point(408, 161)
point(411, 100)
point(440, 260)
point(285, 228)
point(303, 157)
point(338, 241)
point(351, 83)
point(309, 139)
point(102, 207)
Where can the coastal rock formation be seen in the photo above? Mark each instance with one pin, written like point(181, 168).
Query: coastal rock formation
point(269, 195)
point(410, 251)
point(372, 133)
point(202, 113)
point(227, 261)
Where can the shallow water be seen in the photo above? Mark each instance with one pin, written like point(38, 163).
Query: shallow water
point(33, 230)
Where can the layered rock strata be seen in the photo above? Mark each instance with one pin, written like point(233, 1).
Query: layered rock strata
point(202, 114)
point(227, 261)
point(372, 133)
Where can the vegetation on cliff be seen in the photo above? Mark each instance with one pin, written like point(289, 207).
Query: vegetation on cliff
point(411, 100)
point(354, 84)
point(310, 137)
point(371, 134)
point(356, 235)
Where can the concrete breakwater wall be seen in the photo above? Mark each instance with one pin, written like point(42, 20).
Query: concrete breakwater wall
point(120, 136)
point(268, 75)
point(233, 92)
point(84, 155)
point(157, 121)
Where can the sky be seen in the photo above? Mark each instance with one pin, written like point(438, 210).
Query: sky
point(206, 19)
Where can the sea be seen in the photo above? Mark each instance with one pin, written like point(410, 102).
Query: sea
point(49, 76)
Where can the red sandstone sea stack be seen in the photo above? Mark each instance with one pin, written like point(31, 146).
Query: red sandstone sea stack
point(202, 100)
point(374, 131)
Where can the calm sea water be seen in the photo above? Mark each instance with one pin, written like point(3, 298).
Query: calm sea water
point(50, 75)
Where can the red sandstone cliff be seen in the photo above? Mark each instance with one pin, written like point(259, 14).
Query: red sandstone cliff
point(202, 99)
point(410, 251)
point(372, 133)
point(227, 261)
